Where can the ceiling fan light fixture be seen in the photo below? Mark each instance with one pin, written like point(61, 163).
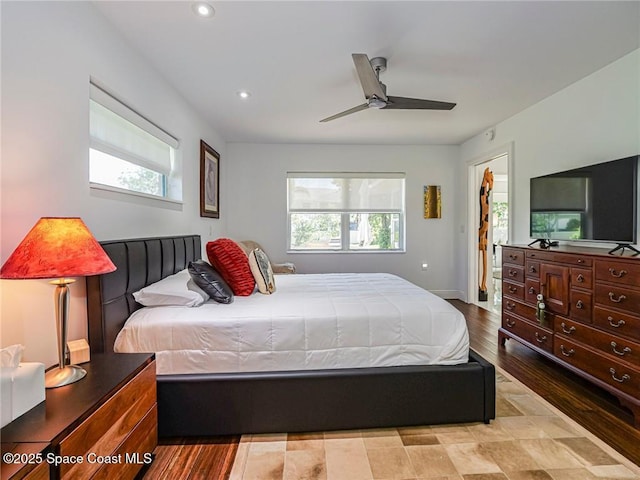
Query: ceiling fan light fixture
point(375, 102)
point(203, 9)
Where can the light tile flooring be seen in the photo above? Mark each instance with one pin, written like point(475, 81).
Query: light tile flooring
point(529, 440)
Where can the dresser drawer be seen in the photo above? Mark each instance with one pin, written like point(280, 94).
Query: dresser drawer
point(621, 273)
point(538, 336)
point(618, 297)
point(532, 269)
point(617, 374)
point(512, 256)
point(619, 323)
point(104, 431)
point(620, 348)
point(527, 312)
point(568, 258)
point(580, 306)
point(513, 273)
point(515, 290)
point(531, 290)
point(581, 278)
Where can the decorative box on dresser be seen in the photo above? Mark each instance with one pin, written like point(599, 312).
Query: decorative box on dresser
point(591, 320)
point(103, 426)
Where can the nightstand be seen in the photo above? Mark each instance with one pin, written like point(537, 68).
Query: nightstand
point(105, 425)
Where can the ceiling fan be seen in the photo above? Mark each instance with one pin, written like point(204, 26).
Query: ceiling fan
point(376, 92)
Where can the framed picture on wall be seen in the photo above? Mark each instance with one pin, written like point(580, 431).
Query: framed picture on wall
point(209, 181)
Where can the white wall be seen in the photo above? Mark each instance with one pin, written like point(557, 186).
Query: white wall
point(49, 51)
point(257, 205)
point(594, 120)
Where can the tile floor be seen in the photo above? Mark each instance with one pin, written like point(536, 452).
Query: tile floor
point(529, 440)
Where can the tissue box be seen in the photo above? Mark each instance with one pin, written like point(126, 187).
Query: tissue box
point(21, 389)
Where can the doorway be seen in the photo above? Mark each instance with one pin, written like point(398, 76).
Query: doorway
point(497, 231)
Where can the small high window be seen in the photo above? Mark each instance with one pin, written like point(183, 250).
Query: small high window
point(128, 152)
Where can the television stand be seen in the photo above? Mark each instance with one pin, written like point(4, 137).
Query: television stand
point(544, 243)
point(623, 246)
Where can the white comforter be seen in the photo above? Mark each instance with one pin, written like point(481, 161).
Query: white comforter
point(310, 322)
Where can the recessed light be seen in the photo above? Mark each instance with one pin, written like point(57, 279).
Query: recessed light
point(203, 9)
point(244, 94)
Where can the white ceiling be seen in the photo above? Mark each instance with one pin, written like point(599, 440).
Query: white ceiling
point(493, 59)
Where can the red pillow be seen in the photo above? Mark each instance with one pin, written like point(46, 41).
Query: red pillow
point(229, 259)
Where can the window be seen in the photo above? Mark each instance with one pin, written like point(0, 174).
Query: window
point(346, 211)
point(128, 152)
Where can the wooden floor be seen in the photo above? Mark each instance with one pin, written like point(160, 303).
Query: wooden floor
point(590, 406)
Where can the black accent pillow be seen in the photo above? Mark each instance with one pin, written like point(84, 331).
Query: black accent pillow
point(209, 280)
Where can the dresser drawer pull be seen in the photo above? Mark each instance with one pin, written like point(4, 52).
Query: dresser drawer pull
point(513, 273)
point(513, 289)
point(532, 290)
point(622, 353)
point(541, 339)
point(580, 260)
point(532, 269)
point(619, 324)
point(613, 298)
point(579, 304)
point(580, 278)
point(624, 378)
point(568, 331)
point(567, 353)
point(510, 323)
point(513, 256)
point(617, 274)
point(511, 306)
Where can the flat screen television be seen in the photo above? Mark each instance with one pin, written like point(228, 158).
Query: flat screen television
point(596, 203)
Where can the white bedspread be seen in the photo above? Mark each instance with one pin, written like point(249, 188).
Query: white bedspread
point(310, 322)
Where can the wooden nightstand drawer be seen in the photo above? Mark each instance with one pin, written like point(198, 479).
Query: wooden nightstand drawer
point(104, 431)
point(135, 451)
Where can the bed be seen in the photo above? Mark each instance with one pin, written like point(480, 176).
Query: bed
point(273, 395)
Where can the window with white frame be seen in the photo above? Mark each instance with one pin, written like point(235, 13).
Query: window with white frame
point(345, 211)
point(128, 152)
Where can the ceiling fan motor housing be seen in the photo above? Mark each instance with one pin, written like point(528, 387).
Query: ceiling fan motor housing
point(379, 64)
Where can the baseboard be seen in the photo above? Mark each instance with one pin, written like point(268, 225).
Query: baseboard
point(450, 294)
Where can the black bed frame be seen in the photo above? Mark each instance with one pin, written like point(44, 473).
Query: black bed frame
point(293, 401)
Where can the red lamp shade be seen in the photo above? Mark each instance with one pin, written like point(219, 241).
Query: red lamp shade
point(55, 248)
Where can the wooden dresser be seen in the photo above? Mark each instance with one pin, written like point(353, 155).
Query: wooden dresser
point(104, 426)
point(591, 321)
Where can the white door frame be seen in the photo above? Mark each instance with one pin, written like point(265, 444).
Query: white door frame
point(473, 212)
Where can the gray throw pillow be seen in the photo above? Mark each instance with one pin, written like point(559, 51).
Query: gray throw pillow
point(208, 279)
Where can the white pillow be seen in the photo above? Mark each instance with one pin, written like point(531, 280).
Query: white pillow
point(177, 289)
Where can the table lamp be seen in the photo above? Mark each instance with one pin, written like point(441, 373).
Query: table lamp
point(58, 248)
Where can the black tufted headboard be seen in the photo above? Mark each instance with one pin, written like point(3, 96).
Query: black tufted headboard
point(139, 262)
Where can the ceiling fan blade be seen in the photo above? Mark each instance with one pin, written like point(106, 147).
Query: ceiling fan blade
point(368, 79)
point(402, 103)
point(346, 112)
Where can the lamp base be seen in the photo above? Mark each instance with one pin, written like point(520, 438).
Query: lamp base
point(59, 377)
